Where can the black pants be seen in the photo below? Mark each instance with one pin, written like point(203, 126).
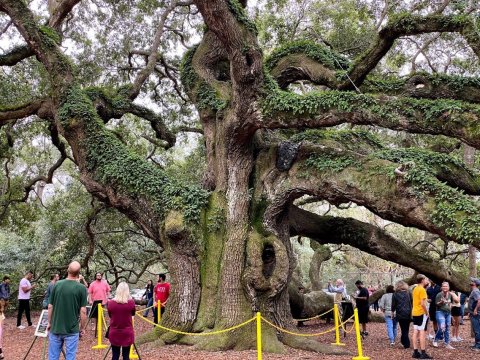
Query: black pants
point(404, 328)
point(23, 305)
point(155, 314)
point(116, 352)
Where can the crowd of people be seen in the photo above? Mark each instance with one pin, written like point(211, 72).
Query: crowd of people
point(67, 300)
point(402, 305)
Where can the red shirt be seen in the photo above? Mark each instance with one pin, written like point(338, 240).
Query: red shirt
point(162, 291)
point(121, 326)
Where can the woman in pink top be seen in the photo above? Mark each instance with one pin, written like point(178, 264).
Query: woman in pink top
point(121, 309)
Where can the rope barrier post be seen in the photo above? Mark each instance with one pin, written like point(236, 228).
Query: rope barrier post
point(159, 311)
point(99, 329)
point(359, 339)
point(259, 336)
point(133, 354)
point(336, 316)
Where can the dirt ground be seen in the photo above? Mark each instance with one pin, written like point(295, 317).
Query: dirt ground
point(16, 343)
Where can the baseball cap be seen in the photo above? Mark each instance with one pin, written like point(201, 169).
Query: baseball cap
point(475, 281)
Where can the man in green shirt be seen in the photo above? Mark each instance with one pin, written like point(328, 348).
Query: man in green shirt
point(67, 302)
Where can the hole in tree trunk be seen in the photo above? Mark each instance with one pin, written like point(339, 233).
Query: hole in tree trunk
point(268, 258)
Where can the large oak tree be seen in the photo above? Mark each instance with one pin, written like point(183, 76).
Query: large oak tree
point(227, 241)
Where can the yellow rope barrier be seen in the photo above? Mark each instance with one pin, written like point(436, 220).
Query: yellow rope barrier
point(316, 316)
point(301, 334)
point(198, 334)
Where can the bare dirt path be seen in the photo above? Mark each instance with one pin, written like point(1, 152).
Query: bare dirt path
point(16, 343)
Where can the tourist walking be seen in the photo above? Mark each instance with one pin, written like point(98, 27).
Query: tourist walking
point(420, 317)
point(456, 314)
point(474, 309)
point(385, 305)
point(53, 279)
point(402, 310)
point(24, 290)
point(67, 303)
point(443, 303)
point(149, 296)
point(121, 309)
point(363, 307)
point(162, 292)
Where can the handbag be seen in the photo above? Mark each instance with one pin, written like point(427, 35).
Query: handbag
point(107, 333)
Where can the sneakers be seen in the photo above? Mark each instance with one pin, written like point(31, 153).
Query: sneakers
point(459, 338)
point(474, 348)
point(435, 344)
point(453, 338)
point(392, 344)
point(449, 347)
point(424, 355)
point(32, 324)
point(416, 354)
point(21, 327)
point(431, 337)
point(365, 333)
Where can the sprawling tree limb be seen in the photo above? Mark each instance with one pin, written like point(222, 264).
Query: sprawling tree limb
point(153, 55)
point(37, 107)
point(15, 55)
point(399, 198)
point(406, 25)
point(373, 240)
point(61, 12)
point(327, 109)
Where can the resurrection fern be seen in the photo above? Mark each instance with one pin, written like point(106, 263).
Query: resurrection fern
point(112, 163)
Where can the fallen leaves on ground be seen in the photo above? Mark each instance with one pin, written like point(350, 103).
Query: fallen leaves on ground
point(376, 346)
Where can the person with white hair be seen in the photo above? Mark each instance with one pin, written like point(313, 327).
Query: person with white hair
point(121, 309)
point(339, 290)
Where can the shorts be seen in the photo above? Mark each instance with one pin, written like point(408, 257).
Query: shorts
point(456, 311)
point(94, 311)
point(363, 315)
point(432, 312)
point(420, 322)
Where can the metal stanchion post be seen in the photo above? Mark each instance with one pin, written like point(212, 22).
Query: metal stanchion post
point(336, 316)
point(359, 339)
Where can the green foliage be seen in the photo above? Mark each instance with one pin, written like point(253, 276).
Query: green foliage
point(241, 15)
point(52, 37)
point(187, 72)
point(348, 138)
point(206, 96)
point(453, 211)
point(113, 164)
point(216, 220)
point(318, 52)
point(330, 162)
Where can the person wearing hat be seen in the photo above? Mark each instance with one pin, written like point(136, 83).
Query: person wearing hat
point(362, 305)
point(474, 309)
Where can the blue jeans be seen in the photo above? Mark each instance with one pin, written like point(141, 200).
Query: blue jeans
point(475, 320)
point(56, 342)
point(150, 303)
point(444, 319)
point(391, 328)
